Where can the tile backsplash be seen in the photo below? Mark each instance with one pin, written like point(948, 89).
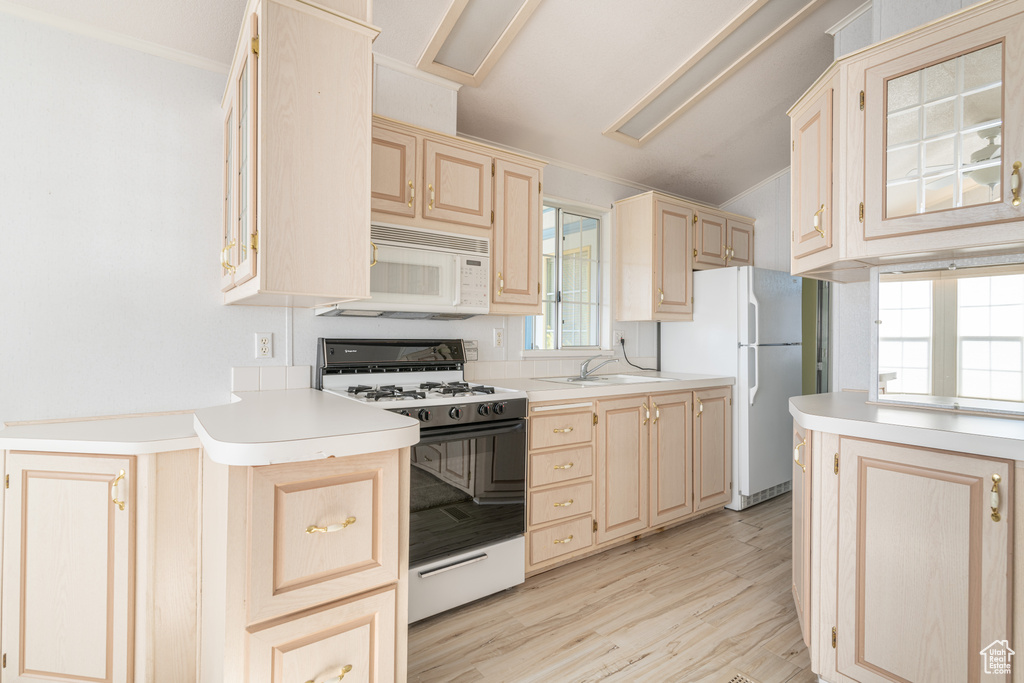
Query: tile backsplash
point(270, 377)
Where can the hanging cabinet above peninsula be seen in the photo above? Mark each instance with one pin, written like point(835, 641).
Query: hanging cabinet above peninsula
point(911, 150)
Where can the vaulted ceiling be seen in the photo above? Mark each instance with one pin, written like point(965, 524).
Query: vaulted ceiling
point(573, 70)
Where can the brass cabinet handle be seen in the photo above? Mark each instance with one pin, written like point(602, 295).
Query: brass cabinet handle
point(501, 284)
point(115, 491)
point(657, 412)
point(567, 539)
point(563, 430)
point(796, 454)
point(647, 412)
point(661, 297)
point(995, 497)
point(569, 466)
point(412, 194)
point(817, 220)
point(330, 528)
point(565, 504)
point(344, 670)
point(430, 189)
point(374, 262)
point(224, 255)
point(1015, 183)
point(700, 407)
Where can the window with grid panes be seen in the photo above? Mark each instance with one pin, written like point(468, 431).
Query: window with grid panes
point(571, 283)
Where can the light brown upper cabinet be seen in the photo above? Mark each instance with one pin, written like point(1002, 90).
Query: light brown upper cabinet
point(425, 179)
point(297, 158)
point(925, 159)
point(720, 240)
point(739, 248)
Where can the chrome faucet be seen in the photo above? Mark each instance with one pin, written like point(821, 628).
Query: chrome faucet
point(585, 370)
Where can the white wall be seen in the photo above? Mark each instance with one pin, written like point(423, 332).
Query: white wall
point(768, 204)
point(110, 181)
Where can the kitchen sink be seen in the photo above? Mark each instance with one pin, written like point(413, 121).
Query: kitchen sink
point(603, 380)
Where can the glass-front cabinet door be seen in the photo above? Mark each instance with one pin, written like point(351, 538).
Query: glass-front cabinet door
point(245, 161)
point(943, 128)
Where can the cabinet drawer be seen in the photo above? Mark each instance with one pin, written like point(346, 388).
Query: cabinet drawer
point(321, 530)
point(565, 501)
point(561, 430)
point(560, 539)
point(355, 638)
point(554, 467)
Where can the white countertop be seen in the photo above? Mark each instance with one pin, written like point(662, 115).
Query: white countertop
point(847, 414)
point(539, 389)
point(113, 436)
point(293, 425)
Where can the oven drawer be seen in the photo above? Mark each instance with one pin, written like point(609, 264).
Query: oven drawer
point(554, 467)
point(355, 638)
point(562, 502)
point(321, 530)
point(563, 429)
point(561, 539)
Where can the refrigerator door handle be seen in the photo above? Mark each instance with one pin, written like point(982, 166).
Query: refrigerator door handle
point(757, 370)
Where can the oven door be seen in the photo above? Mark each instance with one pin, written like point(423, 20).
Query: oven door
point(467, 488)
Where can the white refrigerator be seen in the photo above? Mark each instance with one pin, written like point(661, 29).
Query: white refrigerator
point(746, 324)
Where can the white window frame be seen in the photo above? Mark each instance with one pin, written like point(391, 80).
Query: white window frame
point(517, 324)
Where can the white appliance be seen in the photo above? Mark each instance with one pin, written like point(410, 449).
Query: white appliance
point(423, 274)
point(746, 323)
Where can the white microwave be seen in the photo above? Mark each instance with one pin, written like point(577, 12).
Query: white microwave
point(423, 274)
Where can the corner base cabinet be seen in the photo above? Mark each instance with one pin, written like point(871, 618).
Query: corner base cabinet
point(901, 559)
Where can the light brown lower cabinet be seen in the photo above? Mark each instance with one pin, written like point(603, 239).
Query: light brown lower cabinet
point(803, 460)
point(641, 459)
point(910, 561)
point(100, 567)
point(316, 572)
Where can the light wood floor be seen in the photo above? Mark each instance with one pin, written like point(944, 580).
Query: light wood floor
point(703, 602)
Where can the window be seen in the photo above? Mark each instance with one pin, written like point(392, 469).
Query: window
point(571, 283)
point(904, 335)
point(990, 337)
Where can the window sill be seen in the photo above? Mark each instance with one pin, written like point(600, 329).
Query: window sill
point(566, 354)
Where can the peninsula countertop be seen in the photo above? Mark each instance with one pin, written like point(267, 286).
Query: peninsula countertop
point(848, 414)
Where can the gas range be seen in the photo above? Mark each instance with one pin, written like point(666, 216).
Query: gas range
point(421, 379)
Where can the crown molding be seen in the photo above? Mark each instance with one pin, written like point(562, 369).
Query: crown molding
point(849, 19)
point(112, 37)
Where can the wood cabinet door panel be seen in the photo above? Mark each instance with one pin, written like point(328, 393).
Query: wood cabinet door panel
point(923, 568)
point(673, 274)
point(812, 177)
point(246, 137)
point(623, 443)
point(69, 569)
point(392, 172)
point(741, 243)
point(515, 265)
point(801, 585)
point(671, 457)
point(355, 638)
point(712, 457)
point(937, 207)
point(458, 185)
point(710, 239)
point(292, 565)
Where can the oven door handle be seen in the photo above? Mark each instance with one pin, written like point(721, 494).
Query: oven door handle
point(467, 431)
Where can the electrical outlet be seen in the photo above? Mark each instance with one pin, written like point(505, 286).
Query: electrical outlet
point(264, 345)
point(499, 337)
point(617, 337)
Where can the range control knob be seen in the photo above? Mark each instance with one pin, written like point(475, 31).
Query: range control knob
point(455, 413)
point(483, 409)
point(498, 408)
point(424, 415)
point(404, 412)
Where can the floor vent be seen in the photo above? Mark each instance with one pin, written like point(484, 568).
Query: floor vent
point(766, 494)
point(456, 514)
point(741, 678)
